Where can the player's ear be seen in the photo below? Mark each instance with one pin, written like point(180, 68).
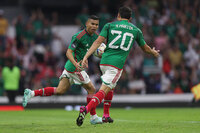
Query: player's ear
point(130, 19)
point(87, 22)
point(118, 16)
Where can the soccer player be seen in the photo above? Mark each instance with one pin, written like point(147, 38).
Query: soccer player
point(120, 36)
point(73, 71)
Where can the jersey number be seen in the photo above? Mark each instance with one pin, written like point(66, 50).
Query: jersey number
point(119, 35)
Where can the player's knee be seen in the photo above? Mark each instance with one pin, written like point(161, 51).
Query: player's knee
point(91, 90)
point(60, 91)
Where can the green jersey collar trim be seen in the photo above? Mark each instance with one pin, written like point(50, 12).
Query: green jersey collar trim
point(88, 33)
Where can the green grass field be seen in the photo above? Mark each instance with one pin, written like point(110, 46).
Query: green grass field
point(153, 120)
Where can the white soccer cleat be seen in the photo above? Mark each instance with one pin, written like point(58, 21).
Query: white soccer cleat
point(27, 97)
point(97, 120)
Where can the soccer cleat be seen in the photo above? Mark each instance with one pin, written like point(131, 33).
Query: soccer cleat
point(27, 97)
point(107, 119)
point(82, 114)
point(97, 120)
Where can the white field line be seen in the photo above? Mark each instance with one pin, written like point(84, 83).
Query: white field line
point(144, 121)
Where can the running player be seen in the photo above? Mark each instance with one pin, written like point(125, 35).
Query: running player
point(120, 36)
point(73, 71)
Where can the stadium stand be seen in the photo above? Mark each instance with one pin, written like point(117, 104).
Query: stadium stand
point(38, 36)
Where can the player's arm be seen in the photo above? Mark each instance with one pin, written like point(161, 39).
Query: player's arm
point(71, 58)
point(151, 51)
point(73, 45)
point(94, 46)
point(144, 46)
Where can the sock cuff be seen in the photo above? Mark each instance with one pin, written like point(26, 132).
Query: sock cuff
point(54, 90)
point(97, 99)
point(101, 91)
point(42, 91)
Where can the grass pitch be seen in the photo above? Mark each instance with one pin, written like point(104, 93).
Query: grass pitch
point(143, 120)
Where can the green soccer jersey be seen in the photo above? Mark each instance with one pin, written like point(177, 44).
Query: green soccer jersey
point(80, 44)
point(120, 36)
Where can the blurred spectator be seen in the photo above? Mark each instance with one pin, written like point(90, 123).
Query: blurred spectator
point(177, 89)
point(161, 41)
point(171, 26)
point(166, 63)
point(82, 17)
point(153, 83)
point(36, 21)
point(104, 16)
point(19, 30)
point(3, 31)
point(46, 33)
point(57, 46)
point(11, 78)
point(54, 18)
point(156, 28)
point(165, 84)
point(191, 57)
point(175, 56)
point(29, 32)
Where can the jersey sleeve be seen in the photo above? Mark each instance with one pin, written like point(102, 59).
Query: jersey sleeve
point(140, 39)
point(74, 43)
point(104, 31)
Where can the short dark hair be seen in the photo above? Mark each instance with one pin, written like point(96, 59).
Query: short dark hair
point(94, 17)
point(125, 12)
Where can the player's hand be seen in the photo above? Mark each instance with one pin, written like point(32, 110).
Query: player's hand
point(78, 66)
point(84, 63)
point(155, 52)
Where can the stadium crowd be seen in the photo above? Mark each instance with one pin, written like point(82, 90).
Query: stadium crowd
point(171, 26)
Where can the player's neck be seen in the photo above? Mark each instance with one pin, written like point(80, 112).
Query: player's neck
point(120, 19)
point(90, 33)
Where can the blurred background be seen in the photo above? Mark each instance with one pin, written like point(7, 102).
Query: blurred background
point(34, 36)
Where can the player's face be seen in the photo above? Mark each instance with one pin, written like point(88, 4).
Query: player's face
point(92, 25)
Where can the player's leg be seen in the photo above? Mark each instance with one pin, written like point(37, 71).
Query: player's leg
point(96, 100)
point(98, 97)
point(109, 78)
point(63, 86)
point(94, 119)
point(107, 103)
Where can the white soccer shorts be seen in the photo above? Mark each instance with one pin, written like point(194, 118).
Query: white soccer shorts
point(110, 75)
point(76, 77)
